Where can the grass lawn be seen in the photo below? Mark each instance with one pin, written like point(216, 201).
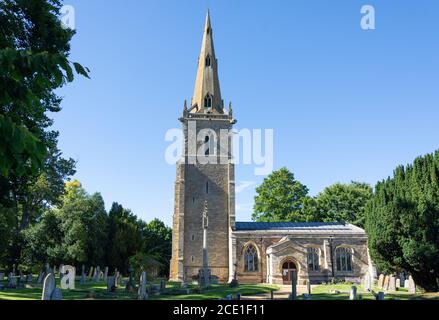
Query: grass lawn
point(92, 291)
point(323, 292)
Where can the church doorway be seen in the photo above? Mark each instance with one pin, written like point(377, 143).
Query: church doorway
point(287, 271)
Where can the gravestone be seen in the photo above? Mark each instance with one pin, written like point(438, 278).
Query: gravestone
point(48, 287)
point(61, 271)
point(96, 274)
point(142, 293)
point(90, 274)
point(68, 278)
point(293, 295)
point(40, 277)
point(386, 282)
point(406, 283)
point(380, 296)
point(117, 278)
point(130, 286)
point(353, 293)
point(106, 274)
point(111, 284)
point(2, 276)
point(402, 279)
point(83, 276)
point(57, 294)
point(392, 283)
point(162, 285)
point(12, 281)
point(29, 278)
point(411, 285)
point(368, 282)
point(381, 281)
point(229, 297)
point(306, 296)
point(398, 283)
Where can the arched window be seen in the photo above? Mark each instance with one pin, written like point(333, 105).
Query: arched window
point(208, 62)
point(207, 101)
point(313, 259)
point(250, 259)
point(207, 187)
point(343, 258)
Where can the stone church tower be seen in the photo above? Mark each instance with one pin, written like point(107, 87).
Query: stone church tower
point(204, 173)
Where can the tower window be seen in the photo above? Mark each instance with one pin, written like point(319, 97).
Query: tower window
point(208, 62)
point(208, 102)
point(207, 187)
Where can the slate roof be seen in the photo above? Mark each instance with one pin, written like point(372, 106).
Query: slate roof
point(299, 226)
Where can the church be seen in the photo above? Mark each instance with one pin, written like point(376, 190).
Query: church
point(253, 252)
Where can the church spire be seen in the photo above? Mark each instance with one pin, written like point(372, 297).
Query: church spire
point(207, 93)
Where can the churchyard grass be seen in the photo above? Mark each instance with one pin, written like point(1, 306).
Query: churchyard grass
point(98, 291)
point(326, 292)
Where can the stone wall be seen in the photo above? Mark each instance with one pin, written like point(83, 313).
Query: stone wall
point(280, 249)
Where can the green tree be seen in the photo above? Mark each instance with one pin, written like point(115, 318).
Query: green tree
point(124, 237)
point(402, 222)
point(43, 242)
point(83, 224)
point(34, 50)
point(34, 63)
point(157, 241)
point(280, 197)
point(343, 202)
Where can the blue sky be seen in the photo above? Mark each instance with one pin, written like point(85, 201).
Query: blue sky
point(345, 104)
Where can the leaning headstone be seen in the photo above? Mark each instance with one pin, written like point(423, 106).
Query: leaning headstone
point(48, 287)
point(68, 279)
point(111, 284)
point(380, 296)
point(411, 285)
point(142, 293)
point(381, 281)
point(293, 295)
point(90, 273)
point(353, 293)
point(386, 283)
point(392, 283)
